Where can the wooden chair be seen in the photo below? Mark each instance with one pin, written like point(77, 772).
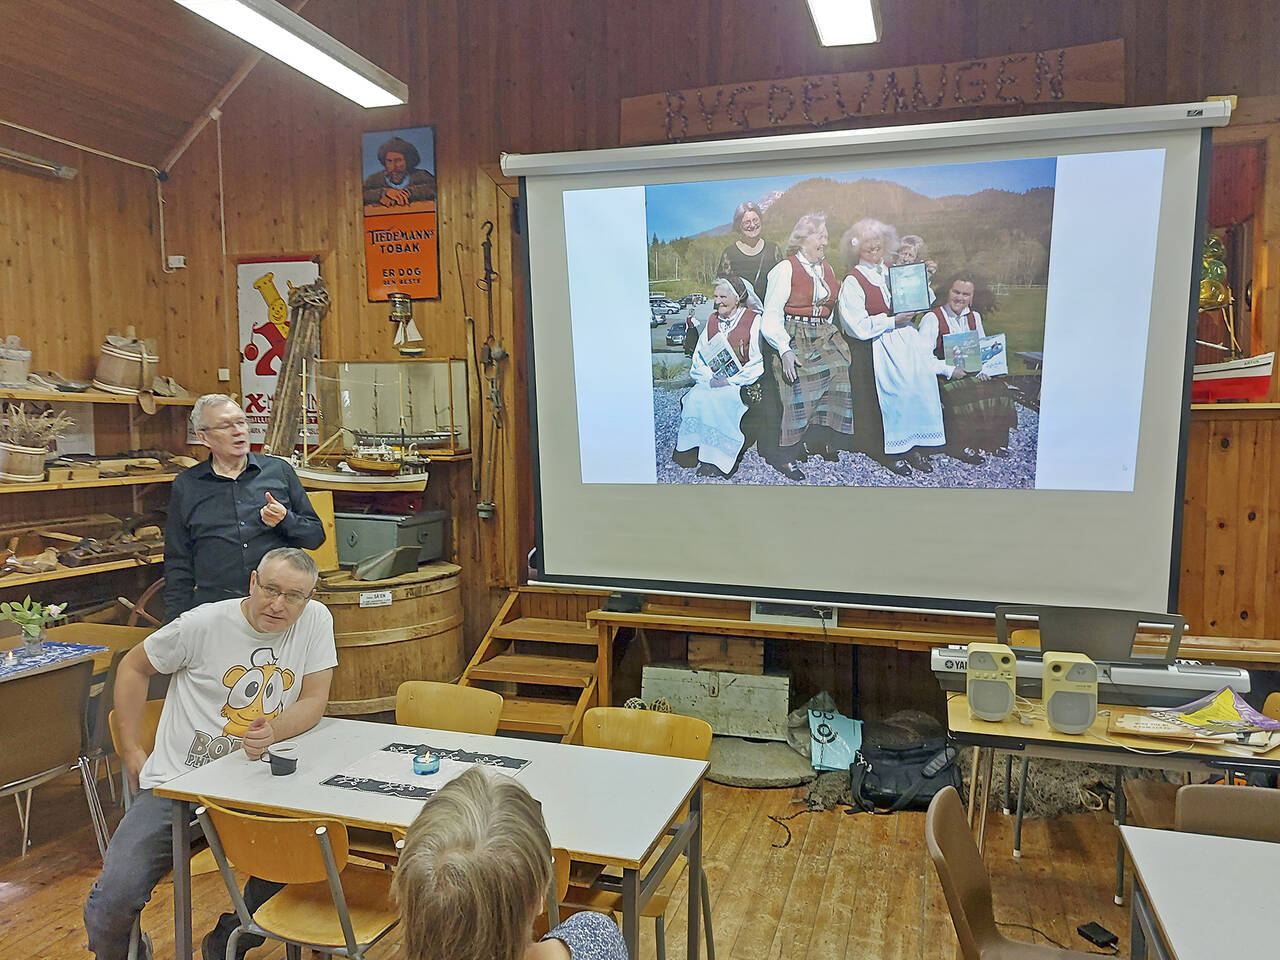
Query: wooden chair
point(44, 732)
point(447, 706)
point(1250, 813)
point(667, 735)
point(327, 904)
point(550, 916)
point(967, 887)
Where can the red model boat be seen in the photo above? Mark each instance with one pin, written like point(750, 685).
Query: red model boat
point(1246, 379)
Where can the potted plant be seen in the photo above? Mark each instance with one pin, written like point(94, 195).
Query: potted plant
point(24, 442)
point(34, 618)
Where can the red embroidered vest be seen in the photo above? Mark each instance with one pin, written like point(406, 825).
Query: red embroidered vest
point(739, 337)
point(800, 300)
point(943, 328)
point(875, 297)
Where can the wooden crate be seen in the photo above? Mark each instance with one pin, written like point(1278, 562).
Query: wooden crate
point(735, 654)
point(735, 704)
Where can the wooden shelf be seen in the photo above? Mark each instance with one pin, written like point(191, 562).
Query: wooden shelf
point(90, 396)
point(1235, 411)
point(129, 481)
point(65, 573)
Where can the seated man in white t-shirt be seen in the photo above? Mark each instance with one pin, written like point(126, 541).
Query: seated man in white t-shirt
point(245, 673)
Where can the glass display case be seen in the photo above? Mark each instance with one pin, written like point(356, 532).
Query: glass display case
point(412, 406)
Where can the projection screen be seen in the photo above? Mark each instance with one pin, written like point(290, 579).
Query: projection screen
point(1078, 232)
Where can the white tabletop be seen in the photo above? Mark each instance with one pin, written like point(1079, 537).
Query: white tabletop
point(604, 806)
point(1210, 895)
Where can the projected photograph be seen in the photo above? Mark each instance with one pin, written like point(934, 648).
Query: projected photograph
point(876, 328)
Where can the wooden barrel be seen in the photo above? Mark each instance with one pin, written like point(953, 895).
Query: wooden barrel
point(415, 636)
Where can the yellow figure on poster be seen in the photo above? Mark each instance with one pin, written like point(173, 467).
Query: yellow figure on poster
point(277, 309)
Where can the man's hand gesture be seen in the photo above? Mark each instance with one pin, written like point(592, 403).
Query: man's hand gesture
point(273, 512)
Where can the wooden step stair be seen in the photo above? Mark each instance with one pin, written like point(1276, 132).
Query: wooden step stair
point(546, 661)
point(548, 631)
point(527, 668)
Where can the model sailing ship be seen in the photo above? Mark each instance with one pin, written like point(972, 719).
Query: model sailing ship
point(1240, 377)
point(377, 421)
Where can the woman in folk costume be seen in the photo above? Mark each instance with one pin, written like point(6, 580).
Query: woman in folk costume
point(812, 371)
point(977, 412)
point(727, 359)
point(905, 372)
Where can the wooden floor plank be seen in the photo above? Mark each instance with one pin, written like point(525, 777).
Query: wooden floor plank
point(846, 886)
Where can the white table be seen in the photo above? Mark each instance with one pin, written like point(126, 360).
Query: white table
point(602, 806)
point(1199, 896)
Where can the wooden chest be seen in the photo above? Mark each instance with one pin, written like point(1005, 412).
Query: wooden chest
point(735, 704)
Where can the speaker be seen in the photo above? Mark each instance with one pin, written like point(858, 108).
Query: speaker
point(1070, 691)
point(990, 677)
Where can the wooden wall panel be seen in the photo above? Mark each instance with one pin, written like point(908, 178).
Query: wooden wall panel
point(82, 257)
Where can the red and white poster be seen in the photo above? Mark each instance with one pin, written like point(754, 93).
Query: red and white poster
point(262, 292)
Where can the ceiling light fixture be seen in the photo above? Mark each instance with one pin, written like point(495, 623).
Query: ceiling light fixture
point(26, 163)
point(281, 33)
point(844, 22)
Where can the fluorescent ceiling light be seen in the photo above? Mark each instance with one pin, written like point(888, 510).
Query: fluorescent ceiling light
point(843, 22)
point(26, 163)
point(278, 31)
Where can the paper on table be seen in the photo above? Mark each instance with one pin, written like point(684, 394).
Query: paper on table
point(389, 771)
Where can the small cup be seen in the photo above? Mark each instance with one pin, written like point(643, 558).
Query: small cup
point(284, 759)
point(426, 763)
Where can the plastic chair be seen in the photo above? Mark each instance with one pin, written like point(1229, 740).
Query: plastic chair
point(667, 735)
point(1223, 810)
point(1100, 634)
point(447, 706)
point(967, 887)
point(44, 731)
point(327, 904)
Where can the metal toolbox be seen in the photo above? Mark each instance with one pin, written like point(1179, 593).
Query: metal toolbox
point(364, 535)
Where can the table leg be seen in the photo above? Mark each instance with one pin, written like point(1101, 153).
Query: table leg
point(1121, 814)
point(1023, 771)
point(696, 891)
point(973, 782)
point(1137, 939)
point(631, 911)
point(1008, 783)
point(182, 880)
point(988, 769)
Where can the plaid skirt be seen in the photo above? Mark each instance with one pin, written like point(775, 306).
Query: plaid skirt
point(977, 413)
point(821, 395)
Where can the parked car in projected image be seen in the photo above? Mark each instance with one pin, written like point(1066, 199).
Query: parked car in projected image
point(676, 335)
point(657, 316)
point(667, 305)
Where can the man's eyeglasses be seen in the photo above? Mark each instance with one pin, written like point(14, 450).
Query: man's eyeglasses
point(233, 425)
point(291, 597)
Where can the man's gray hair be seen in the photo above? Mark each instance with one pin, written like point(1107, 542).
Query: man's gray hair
point(204, 403)
point(298, 559)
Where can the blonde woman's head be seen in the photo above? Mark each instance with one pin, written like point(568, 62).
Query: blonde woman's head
point(475, 867)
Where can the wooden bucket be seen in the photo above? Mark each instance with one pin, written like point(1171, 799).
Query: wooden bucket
point(125, 371)
point(417, 636)
point(21, 464)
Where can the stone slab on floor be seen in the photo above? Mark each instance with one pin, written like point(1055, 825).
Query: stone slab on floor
point(736, 762)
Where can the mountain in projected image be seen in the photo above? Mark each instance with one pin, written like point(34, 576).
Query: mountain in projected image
point(1003, 235)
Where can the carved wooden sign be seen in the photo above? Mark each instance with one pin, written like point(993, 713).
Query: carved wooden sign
point(1092, 73)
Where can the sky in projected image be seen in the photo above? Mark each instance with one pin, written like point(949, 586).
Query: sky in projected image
point(992, 220)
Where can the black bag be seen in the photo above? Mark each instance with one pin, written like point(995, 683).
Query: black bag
point(752, 394)
point(889, 777)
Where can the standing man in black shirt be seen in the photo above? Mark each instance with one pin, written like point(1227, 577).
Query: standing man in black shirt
point(226, 513)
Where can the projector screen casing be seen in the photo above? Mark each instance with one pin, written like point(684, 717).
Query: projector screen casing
point(855, 546)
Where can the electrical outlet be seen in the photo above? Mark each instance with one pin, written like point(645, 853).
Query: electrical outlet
point(224, 375)
point(177, 262)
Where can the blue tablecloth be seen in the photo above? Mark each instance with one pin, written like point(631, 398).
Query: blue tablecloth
point(14, 662)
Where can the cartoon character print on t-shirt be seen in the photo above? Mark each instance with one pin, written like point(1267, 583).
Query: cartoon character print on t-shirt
point(252, 692)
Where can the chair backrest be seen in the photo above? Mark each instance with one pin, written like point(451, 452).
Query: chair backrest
point(99, 725)
point(963, 876)
point(643, 731)
point(447, 706)
point(1098, 633)
point(44, 721)
point(150, 724)
point(1223, 810)
point(278, 849)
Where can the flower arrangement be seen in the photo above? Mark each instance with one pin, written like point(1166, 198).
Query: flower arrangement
point(31, 616)
point(27, 429)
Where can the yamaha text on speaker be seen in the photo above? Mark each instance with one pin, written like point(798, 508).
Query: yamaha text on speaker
point(991, 674)
point(1070, 691)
